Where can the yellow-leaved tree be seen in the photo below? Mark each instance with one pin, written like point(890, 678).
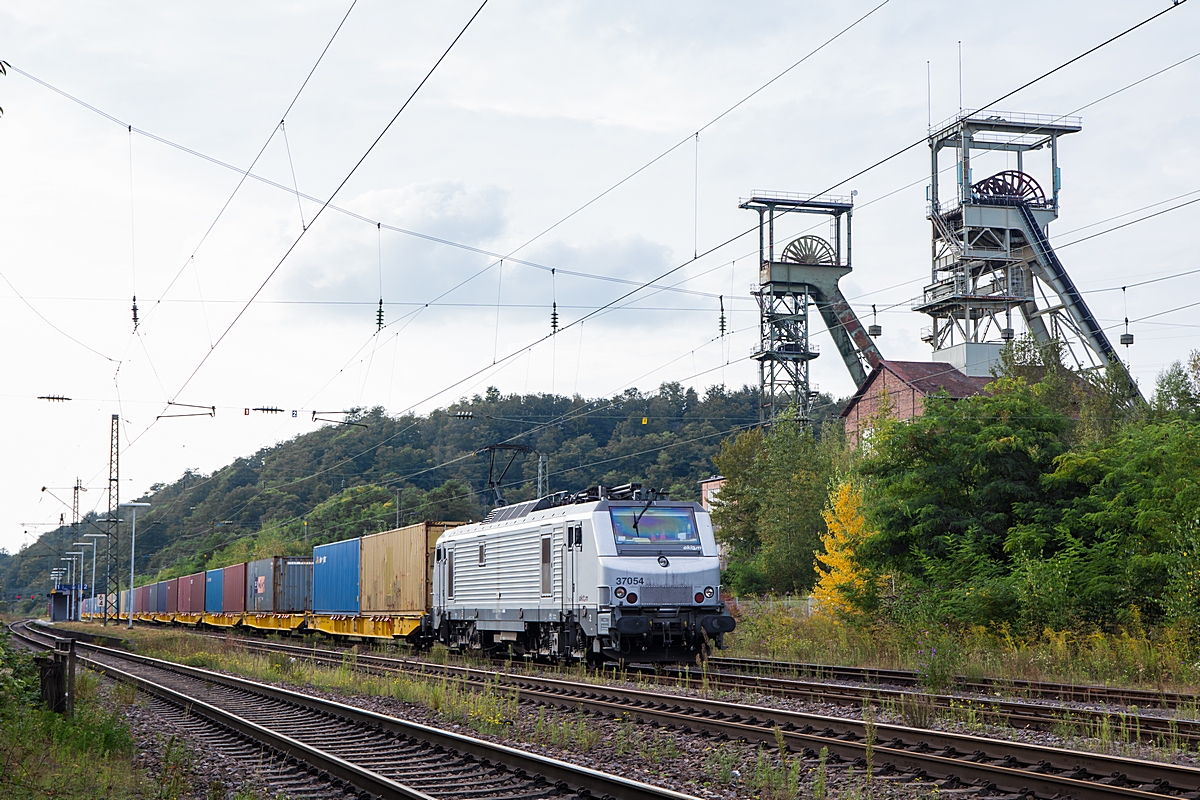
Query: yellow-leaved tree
point(842, 579)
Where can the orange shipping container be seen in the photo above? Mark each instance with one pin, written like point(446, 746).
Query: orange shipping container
point(397, 568)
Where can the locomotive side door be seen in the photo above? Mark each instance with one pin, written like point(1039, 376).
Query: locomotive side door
point(572, 552)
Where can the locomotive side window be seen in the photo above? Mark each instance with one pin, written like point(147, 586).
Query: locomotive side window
point(450, 573)
point(481, 553)
point(546, 566)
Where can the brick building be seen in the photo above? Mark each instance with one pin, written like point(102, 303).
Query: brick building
point(906, 384)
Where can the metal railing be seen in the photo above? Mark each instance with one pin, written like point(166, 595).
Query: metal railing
point(771, 194)
point(1071, 121)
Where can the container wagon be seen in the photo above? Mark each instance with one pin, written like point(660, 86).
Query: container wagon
point(279, 592)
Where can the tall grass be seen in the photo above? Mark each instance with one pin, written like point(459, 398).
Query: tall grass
point(1162, 659)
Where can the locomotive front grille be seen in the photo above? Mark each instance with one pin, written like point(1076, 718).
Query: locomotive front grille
point(666, 595)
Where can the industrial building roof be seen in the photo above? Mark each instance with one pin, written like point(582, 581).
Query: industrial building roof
point(926, 377)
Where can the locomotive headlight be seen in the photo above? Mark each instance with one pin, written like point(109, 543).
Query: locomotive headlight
point(708, 591)
point(619, 592)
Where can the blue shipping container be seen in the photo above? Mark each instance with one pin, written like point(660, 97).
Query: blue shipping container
point(335, 577)
point(214, 591)
point(161, 608)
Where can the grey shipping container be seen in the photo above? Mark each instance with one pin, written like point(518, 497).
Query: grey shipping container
point(214, 591)
point(152, 601)
point(234, 591)
point(172, 595)
point(336, 576)
point(279, 585)
point(161, 608)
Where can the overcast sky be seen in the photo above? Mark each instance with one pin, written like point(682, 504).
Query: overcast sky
point(538, 110)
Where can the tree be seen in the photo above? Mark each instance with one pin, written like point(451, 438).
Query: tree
point(948, 487)
point(844, 583)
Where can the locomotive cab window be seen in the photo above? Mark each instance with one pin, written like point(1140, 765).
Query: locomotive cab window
point(647, 530)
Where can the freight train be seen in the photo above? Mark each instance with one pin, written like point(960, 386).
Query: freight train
point(606, 574)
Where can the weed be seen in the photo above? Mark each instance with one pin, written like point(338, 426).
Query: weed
point(174, 778)
point(820, 788)
point(917, 710)
point(722, 762)
point(776, 778)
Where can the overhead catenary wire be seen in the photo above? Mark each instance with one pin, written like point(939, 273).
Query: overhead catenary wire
point(336, 191)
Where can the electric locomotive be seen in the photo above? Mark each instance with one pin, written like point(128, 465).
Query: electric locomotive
point(619, 573)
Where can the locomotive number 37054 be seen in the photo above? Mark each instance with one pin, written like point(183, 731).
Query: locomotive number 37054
point(630, 581)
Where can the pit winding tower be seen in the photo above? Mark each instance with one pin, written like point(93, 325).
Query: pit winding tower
point(804, 275)
point(991, 250)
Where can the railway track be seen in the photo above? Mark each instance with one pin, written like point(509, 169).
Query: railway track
point(1045, 690)
point(898, 752)
point(1131, 726)
point(1128, 726)
point(360, 752)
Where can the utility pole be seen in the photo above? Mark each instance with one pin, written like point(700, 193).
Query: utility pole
point(542, 488)
point(75, 509)
point(112, 580)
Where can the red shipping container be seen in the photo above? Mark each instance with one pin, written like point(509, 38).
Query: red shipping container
point(234, 595)
point(173, 595)
point(191, 594)
point(141, 601)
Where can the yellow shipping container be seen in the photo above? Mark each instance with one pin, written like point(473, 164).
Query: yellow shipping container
point(397, 568)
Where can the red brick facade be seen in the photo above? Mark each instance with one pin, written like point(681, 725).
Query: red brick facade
point(905, 384)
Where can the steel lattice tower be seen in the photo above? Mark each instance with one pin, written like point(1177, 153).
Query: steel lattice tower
point(991, 248)
point(112, 581)
point(804, 275)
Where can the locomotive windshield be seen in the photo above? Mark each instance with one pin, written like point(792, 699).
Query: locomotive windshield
point(647, 530)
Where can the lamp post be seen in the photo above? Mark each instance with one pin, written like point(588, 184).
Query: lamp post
point(70, 581)
point(132, 538)
point(75, 584)
point(93, 537)
point(91, 544)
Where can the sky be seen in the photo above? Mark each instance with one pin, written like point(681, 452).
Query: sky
point(545, 135)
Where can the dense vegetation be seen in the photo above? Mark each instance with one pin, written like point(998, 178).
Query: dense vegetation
point(1055, 501)
point(345, 480)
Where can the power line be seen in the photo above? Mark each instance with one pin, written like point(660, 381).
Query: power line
point(334, 194)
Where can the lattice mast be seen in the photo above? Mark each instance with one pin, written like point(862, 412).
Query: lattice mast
point(804, 276)
point(991, 251)
point(111, 573)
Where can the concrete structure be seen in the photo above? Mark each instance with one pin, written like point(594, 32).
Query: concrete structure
point(905, 385)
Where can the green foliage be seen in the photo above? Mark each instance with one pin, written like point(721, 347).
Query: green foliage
point(1050, 505)
point(769, 510)
point(344, 479)
point(948, 486)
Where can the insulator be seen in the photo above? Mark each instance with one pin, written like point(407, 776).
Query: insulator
point(874, 330)
point(1006, 334)
point(1127, 339)
point(722, 323)
point(135, 317)
point(379, 316)
point(554, 318)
